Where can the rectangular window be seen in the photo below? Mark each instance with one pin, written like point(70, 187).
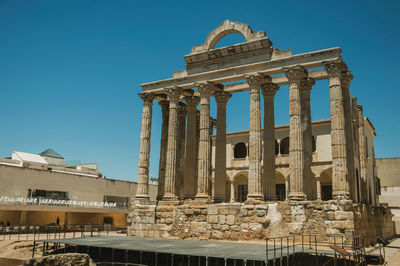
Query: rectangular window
point(48, 194)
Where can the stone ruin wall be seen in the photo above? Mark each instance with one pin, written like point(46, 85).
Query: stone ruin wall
point(258, 220)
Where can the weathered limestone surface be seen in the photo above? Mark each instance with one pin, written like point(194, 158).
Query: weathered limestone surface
point(144, 155)
point(255, 220)
point(220, 154)
point(172, 146)
point(269, 90)
point(255, 185)
point(298, 155)
point(204, 158)
point(163, 147)
point(191, 148)
point(62, 260)
point(340, 168)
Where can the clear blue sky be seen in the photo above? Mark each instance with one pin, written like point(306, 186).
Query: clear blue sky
point(70, 70)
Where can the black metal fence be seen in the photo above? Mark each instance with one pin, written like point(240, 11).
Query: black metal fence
point(323, 250)
point(36, 232)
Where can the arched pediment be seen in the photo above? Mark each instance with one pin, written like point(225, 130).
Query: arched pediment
point(226, 28)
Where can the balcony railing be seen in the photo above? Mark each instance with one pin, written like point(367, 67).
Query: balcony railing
point(63, 203)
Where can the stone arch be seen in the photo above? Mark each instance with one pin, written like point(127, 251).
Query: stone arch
point(228, 27)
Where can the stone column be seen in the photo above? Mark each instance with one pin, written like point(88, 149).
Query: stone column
point(268, 90)
point(363, 156)
point(297, 156)
point(163, 147)
point(172, 146)
point(287, 188)
point(305, 90)
point(340, 167)
point(204, 169)
point(319, 196)
point(255, 184)
point(179, 183)
point(348, 119)
point(191, 148)
point(142, 190)
point(221, 98)
point(232, 191)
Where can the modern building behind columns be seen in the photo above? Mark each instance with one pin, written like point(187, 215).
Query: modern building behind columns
point(194, 200)
point(37, 188)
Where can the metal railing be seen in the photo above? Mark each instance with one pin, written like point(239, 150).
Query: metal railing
point(36, 232)
point(4, 200)
point(324, 249)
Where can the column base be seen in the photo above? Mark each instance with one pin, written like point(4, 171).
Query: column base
point(340, 195)
point(297, 196)
point(254, 197)
point(205, 199)
point(141, 199)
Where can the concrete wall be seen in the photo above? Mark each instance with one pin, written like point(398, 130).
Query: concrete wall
point(388, 170)
point(16, 181)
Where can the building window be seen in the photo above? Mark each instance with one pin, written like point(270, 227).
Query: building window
point(285, 146)
point(48, 194)
point(240, 150)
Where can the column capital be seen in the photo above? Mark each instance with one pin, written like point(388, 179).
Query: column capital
point(306, 84)
point(174, 94)
point(164, 104)
point(192, 101)
point(205, 88)
point(222, 96)
point(255, 80)
point(347, 77)
point(336, 67)
point(147, 97)
point(269, 89)
point(182, 109)
point(296, 74)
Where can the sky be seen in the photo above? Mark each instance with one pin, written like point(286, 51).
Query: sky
point(70, 70)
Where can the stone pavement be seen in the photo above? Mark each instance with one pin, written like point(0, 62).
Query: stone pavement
point(393, 253)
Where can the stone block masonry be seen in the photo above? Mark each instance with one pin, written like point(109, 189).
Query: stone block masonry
point(258, 220)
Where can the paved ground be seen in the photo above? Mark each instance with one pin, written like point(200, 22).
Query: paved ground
point(393, 253)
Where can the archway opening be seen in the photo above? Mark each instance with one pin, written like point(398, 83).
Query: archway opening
point(241, 187)
point(230, 39)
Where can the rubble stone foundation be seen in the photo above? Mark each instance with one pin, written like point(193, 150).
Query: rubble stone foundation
point(258, 220)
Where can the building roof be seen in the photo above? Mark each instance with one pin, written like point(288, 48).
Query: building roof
point(51, 153)
point(28, 157)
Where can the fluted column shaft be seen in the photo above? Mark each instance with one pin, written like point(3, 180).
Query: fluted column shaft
point(306, 85)
point(172, 146)
point(255, 184)
point(163, 148)
point(297, 132)
point(191, 148)
point(268, 90)
point(340, 168)
point(142, 191)
point(179, 184)
point(363, 156)
point(221, 98)
point(204, 165)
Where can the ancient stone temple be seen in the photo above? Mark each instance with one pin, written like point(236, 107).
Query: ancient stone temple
point(306, 177)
